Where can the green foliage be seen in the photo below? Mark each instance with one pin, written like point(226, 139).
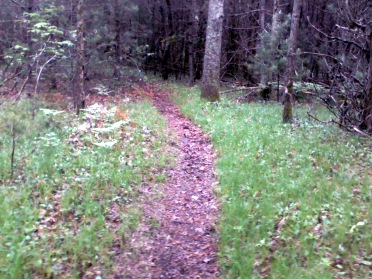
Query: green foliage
point(45, 42)
point(271, 56)
point(44, 34)
point(73, 195)
point(296, 199)
point(102, 90)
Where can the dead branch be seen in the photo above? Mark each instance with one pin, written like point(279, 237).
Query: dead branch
point(41, 70)
point(348, 127)
point(14, 140)
point(18, 4)
point(362, 133)
point(336, 38)
point(240, 89)
point(317, 119)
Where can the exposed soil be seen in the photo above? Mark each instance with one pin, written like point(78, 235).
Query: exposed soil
point(183, 241)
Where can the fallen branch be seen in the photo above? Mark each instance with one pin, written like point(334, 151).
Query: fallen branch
point(239, 89)
point(14, 140)
point(349, 128)
point(362, 133)
point(316, 119)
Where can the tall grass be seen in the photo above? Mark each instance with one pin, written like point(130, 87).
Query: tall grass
point(73, 195)
point(296, 199)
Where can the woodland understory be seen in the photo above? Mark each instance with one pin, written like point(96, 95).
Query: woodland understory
point(283, 49)
point(185, 139)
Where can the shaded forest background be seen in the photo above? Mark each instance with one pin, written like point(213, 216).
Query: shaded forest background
point(295, 200)
point(64, 45)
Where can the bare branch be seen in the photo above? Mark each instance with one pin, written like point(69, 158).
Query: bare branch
point(350, 128)
point(336, 38)
point(18, 4)
point(41, 70)
point(239, 89)
point(318, 120)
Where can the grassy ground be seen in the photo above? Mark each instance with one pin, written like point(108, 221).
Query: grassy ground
point(70, 194)
point(296, 199)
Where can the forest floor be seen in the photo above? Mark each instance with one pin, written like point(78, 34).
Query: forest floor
point(128, 189)
point(177, 237)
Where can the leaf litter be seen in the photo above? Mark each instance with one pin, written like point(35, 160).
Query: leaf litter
point(177, 237)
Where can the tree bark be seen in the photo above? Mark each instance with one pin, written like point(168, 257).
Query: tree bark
point(263, 76)
point(80, 93)
point(212, 55)
point(192, 33)
point(117, 20)
point(367, 109)
point(275, 18)
point(275, 37)
point(290, 72)
point(30, 51)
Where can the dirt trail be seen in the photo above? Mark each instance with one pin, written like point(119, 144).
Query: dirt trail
point(184, 244)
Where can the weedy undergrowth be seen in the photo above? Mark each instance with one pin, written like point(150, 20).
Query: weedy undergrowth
point(296, 199)
point(69, 195)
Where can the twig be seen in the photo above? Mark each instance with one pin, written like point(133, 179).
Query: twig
point(316, 119)
point(6, 68)
point(317, 54)
point(362, 133)
point(14, 139)
point(239, 89)
point(336, 38)
point(16, 98)
point(41, 70)
point(17, 73)
point(31, 66)
point(17, 3)
point(350, 128)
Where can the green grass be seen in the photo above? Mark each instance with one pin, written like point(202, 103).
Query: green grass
point(296, 199)
point(73, 195)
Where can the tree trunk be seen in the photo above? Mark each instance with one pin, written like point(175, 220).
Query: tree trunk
point(263, 76)
point(275, 19)
point(80, 94)
point(290, 72)
point(275, 37)
point(367, 109)
point(212, 55)
point(30, 51)
point(192, 33)
point(167, 32)
point(117, 20)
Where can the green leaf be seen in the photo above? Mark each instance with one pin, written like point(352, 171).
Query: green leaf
point(110, 128)
point(66, 43)
point(39, 263)
point(51, 111)
point(107, 144)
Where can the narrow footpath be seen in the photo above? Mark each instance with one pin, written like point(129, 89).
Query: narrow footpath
point(184, 244)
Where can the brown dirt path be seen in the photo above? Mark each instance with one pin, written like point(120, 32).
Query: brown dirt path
point(184, 244)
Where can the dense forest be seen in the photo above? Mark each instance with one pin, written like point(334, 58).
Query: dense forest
point(322, 47)
point(185, 139)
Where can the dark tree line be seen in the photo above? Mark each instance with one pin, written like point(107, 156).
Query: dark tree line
point(64, 43)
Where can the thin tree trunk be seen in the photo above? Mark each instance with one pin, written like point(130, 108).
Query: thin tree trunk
point(191, 67)
point(275, 18)
point(212, 55)
point(275, 37)
point(80, 94)
point(367, 110)
point(30, 51)
point(192, 33)
point(165, 48)
point(117, 23)
point(263, 76)
point(290, 72)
